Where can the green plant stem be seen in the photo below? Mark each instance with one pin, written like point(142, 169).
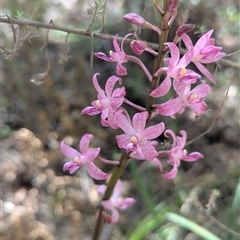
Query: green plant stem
point(158, 62)
point(117, 172)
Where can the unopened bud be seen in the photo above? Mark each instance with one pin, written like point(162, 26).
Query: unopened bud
point(134, 19)
point(172, 6)
point(137, 46)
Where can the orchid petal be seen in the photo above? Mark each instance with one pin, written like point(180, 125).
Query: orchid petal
point(84, 143)
point(119, 92)
point(153, 131)
point(69, 151)
point(163, 88)
point(101, 189)
point(204, 71)
point(96, 172)
point(125, 203)
point(148, 150)
point(121, 70)
point(91, 154)
point(181, 141)
point(198, 108)
point(202, 41)
point(111, 83)
point(192, 157)
point(115, 215)
point(158, 163)
point(103, 56)
point(91, 111)
point(175, 55)
point(122, 140)
point(117, 191)
point(172, 174)
point(72, 166)
point(96, 85)
point(202, 90)
point(170, 107)
point(124, 124)
point(139, 121)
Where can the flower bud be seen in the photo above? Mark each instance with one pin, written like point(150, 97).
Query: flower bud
point(137, 46)
point(172, 6)
point(134, 19)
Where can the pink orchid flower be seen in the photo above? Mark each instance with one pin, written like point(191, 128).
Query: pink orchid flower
point(108, 102)
point(176, 68)
point(205, 52)
point(86, 156)
point(136, 135)
point(194, 99)
point(119, 56)
point(177, 153)
point(115, 202)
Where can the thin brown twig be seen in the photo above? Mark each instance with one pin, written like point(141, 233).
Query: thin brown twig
point(103, 17)
point(90, 34)
point(13, 30)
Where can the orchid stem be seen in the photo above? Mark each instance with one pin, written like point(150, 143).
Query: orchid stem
point(117, 172)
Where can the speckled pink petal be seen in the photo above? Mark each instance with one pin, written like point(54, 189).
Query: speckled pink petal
point(124, 124)
point(153, 131)
point(123, 140)
point(84, 143)
point(205, 72)
point(170, 107)
point(96, 172)
point(92, 153)
point(139, 121)
point(111, 83)
point(103, 56)
point(202, 41)
point(172, 174)
point(175, 54)
point(163, 88)
point(148, 150)
point(121, 70)
point(69, 151)
point(91, 111)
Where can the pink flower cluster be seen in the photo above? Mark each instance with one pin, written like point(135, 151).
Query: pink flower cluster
point(138, 139)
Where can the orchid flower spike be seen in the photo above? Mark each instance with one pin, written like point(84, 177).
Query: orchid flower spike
point(115, 202)
point(86, 156)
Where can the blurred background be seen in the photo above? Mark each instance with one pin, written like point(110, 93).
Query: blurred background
point(41, 103)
